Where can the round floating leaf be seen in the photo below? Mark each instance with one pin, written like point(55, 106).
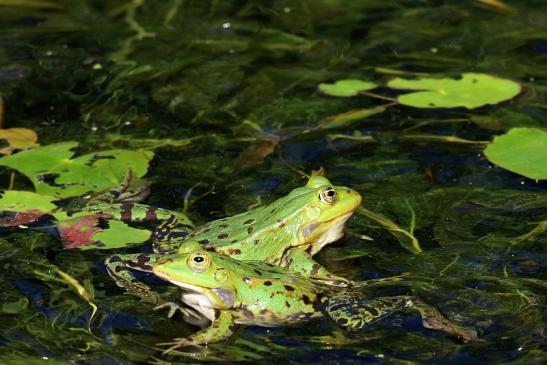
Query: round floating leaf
point(23, 207)
point(53, 172)
point(118, 234)
point(521, 150)
point(349, 87)
point(471, 91)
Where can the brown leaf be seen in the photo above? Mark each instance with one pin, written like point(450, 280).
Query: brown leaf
point(79, 231)
point(256, 154)
point(14, 219)
point(17, 139)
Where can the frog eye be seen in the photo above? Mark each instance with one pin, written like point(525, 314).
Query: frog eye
point(199, 261)
point(328, 196)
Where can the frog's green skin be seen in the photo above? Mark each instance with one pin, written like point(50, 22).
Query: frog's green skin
point(285, 233)
point(288, 231)
point(229, 292)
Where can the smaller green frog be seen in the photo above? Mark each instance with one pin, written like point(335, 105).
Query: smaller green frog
point(229, 292)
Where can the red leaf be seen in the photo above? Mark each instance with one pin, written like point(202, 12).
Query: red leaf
point(78, 231)
point(14, 219)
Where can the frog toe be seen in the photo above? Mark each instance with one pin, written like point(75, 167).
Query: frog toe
point(174, 345)
point(174, 307)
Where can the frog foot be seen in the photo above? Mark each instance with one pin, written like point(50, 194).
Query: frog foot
point(174, 307)
point(335, 280)
point(438, 322)
point(175, 344)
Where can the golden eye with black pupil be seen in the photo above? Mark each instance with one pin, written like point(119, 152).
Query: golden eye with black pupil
point(199, 261)
point(328, 196)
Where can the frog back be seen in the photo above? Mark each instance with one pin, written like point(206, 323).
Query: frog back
point(242, 236)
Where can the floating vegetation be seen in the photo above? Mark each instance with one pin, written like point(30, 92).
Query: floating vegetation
point(470, 91)
point(54, 172)
point(521, 150)
point(348, 87)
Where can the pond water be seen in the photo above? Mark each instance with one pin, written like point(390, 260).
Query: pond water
point(226, 94)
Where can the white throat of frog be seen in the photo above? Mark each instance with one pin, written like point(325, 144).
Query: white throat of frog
point(324, 233)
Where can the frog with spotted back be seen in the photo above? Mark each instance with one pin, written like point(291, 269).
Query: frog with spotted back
point(286, 233)
point(229, 292)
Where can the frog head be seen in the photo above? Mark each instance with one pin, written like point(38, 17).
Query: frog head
point(325, 208)
point(204, 277)
point(312, 215)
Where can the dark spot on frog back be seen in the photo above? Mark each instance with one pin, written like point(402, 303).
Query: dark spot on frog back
point(249, 221)
point(250, 230)
point(288, 288)
point(267, 283)
point(222, 236)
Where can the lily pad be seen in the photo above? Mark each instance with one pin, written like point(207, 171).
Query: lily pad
point(99, 231)
point(23, 207)
point(349, 87)
point(521, 150)
point(471, 91)
point(54, 172)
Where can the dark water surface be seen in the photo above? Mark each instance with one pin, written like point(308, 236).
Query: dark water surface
point(229, 76)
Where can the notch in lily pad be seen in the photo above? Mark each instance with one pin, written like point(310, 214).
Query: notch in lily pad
point(472, 90)
point(346, 88)
point(521, 150)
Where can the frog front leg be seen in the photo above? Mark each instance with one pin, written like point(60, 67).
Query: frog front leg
point(119, 268)
point(222, 327)
point(299, 261)
point(353, 312)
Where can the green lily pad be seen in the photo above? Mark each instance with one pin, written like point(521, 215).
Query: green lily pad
point(23, 207)
point(521, 150)
point(54, 172)
point(471, 91)
point(349, 87)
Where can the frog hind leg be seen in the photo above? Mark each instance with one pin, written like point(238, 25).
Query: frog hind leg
point(299, 261)
point(353, 313)
point(433, 319)
point(222, 327)
point(169, 235)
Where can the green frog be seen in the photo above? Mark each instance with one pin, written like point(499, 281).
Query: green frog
point(227, 292)
point(285, 233)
